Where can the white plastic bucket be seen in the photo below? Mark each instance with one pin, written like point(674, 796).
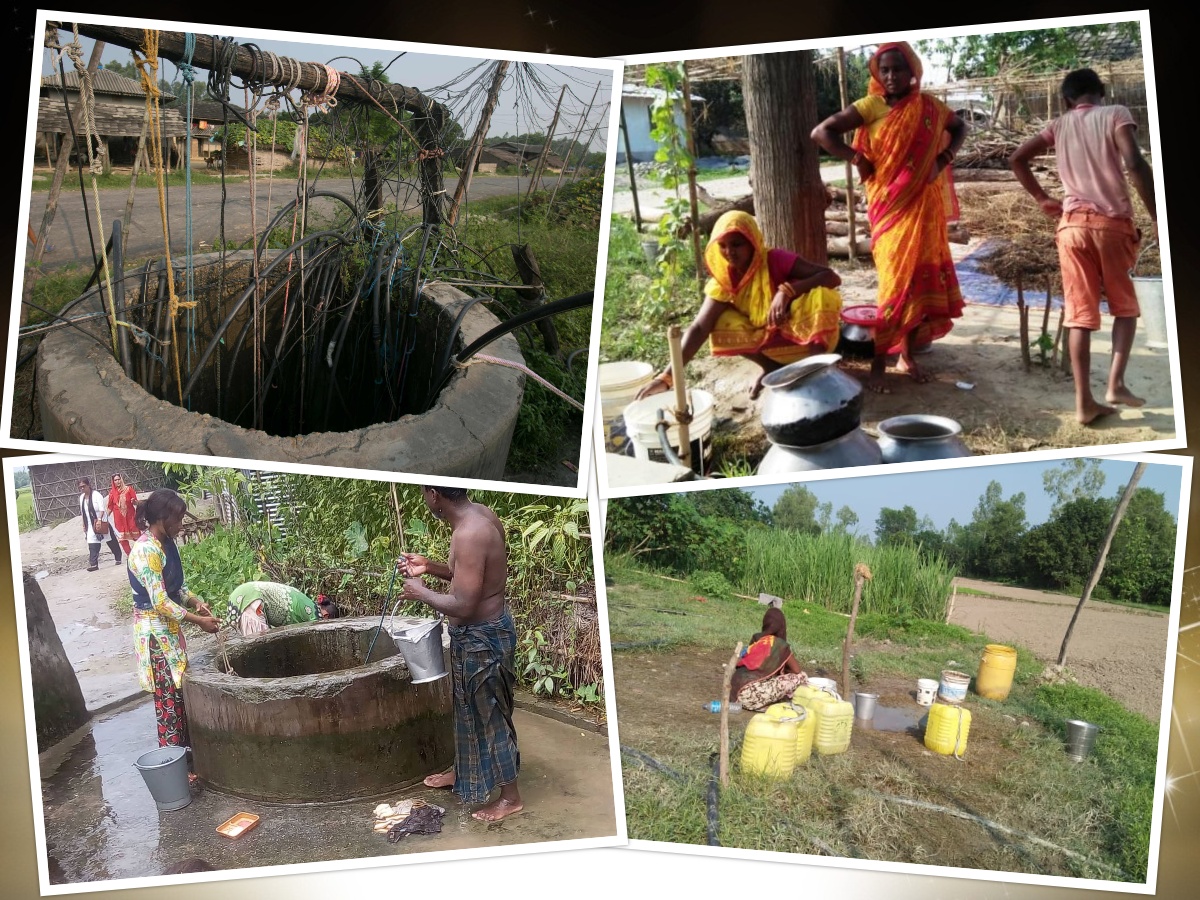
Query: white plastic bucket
point(619, 385)
point(165, 772)
point(641, 419)
point(1153, 305)
point(953, 687)
point(825, 684)
point(926, 691)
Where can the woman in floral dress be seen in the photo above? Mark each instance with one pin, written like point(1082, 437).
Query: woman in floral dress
point(161, 603)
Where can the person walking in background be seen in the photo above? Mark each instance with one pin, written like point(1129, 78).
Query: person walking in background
point(122, 511)
point(96, 525)
point(1094, 146)
point(905, 143)
point(483, 641)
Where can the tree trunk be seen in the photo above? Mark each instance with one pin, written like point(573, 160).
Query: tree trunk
point(485, 122)
point(1102, 556)
point(781, 110)
point(535, 296)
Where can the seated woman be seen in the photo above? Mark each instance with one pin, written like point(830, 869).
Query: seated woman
point(258, 605)
point(767, 671)
point(770, 306)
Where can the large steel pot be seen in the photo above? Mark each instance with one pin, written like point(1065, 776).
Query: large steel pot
point(852, 449)
point(919, 437)
point(810, 402)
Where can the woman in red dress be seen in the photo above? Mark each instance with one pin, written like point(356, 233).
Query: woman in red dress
point(122, 505)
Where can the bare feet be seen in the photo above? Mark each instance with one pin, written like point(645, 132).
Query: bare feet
point(906, 365)
point(440, 780)
point(498, 809)
point(1093, 411)
point(876, 381)
point(1125, 397)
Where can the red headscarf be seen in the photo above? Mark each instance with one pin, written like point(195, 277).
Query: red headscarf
point(876, 88)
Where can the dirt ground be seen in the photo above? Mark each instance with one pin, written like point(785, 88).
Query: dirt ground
point(1114, 649)
point(1005, 410)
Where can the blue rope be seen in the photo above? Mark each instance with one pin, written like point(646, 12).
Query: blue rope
point(189, 76)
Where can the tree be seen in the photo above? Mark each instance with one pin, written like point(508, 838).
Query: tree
point(829, 95)
point(846, 520)
point(1044, 50)
point(779, 92)
point(732, 505)
point(1072, 480)
point(895, 526)
point(796, 510)
point(21, 477)
point(1141, 564)
point(997, 527)
point(1060, 552)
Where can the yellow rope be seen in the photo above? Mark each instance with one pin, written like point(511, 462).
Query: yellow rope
point(148, 67)
point(87, 104)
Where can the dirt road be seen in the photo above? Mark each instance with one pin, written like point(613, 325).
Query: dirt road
point(1114, 649)
point(69, 241)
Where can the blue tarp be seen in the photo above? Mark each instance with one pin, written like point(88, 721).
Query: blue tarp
point(979, 287)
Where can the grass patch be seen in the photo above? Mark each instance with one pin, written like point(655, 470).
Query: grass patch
point(26, 519)
point(1076, 820)
point(54, 290)
point(145, 180)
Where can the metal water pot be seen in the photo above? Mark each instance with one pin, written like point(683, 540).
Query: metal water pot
point(855, 448)
point(810, 402)
point(917, 438)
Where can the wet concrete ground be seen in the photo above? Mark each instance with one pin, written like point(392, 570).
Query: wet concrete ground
point(101, 822)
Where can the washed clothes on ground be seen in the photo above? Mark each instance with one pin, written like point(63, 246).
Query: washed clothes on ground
point(482, 658)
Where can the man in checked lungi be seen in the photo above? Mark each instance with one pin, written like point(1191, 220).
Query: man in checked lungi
point(483, 642)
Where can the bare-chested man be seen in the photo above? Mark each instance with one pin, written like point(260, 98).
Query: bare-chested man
point(483, 642)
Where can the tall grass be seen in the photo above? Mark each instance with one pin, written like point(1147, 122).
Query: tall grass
point(820, 570)
point(26, 518)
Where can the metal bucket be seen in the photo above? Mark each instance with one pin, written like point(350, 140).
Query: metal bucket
point(421, 647)
point(1151, 301)
point(864, 705)
point(165, 772)
point(1081, 737)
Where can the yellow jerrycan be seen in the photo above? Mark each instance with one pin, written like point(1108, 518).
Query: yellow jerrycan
point(835, 721)
point(996, 669)
point(947, 729)
point(769, 747)
point(805, 722)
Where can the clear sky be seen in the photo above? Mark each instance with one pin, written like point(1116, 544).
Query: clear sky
point(953, 493)
point(426, 71)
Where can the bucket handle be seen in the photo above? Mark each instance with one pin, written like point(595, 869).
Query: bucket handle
point(1150, 243)
point(392, 617)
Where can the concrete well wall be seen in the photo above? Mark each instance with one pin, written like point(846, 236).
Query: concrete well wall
point(85, 398)
point(329, 734)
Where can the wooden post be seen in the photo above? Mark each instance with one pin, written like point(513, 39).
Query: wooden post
point(1023, 312)
point(637, 213)
point(137, 159)
point(1098, 568)
point(591, 137)
point(571, 148)
point(1058, 338)
point(476, 147)
point(861, 575)
point(683, 415)
point(531, 274)
point(1046, 317)
point(726, 682)
point(695, 205)
point(950, 608)
point(853, 248)
point(60, 171)
point(536, 175)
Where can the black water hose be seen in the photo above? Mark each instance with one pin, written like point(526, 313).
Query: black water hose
point(118, 270)
point(382, 613)
point(650, 762)
point(575, 301)
point(713, 801)
point(634, 645)
point(241, 301)
point(667, 449)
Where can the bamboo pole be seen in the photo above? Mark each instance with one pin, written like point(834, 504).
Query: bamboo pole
point(862, 574)
point(682, 415)
point(571, 148)
point(695, 205)
point(852, 249)
point(1102, 556)
point(540, 165)
point(485, 121)
point(637, 213)
point(1023, 312)
point(725, 685)
point(137, 158)
point(950, 608)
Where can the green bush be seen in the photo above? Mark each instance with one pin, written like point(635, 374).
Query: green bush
point(713, 585)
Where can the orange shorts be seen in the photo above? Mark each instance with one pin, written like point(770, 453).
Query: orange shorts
point(1095, 253)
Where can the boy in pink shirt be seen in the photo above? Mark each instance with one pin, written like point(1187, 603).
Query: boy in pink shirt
point(1097, 242)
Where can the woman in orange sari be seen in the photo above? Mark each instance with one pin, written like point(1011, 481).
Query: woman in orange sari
point(122, 508)
point(903, 148)
point(768, 305)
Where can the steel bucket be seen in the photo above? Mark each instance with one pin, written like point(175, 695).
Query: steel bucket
point(1081, 737)
point(421, 647)
point(1153, 305)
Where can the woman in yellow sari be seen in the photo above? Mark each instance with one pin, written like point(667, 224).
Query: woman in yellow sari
point(768, 305)
point(905, 143)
